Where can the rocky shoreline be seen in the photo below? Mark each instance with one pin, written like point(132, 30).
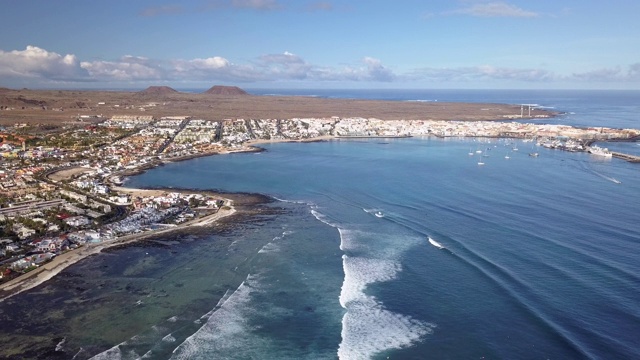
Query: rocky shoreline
point(236, 204)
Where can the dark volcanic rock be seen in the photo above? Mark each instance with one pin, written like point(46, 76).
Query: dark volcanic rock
point(158, 90)
point(225, 90)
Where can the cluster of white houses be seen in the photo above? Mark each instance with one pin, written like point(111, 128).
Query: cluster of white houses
point(89, 196)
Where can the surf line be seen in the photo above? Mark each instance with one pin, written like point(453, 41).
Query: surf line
point(435, 243)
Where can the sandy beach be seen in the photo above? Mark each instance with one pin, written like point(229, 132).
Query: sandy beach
point(45, 272)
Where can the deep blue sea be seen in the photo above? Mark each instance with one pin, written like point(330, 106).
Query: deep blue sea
point(530, 258)
point(388, 248)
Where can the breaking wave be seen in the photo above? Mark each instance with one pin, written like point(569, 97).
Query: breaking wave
point(367, 327)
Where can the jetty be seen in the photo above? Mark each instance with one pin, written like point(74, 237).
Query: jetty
point(627, 157)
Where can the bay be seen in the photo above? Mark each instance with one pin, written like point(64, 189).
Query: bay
point(536, 256)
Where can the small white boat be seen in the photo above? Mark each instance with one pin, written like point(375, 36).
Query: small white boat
point(435, 243)
point(378, 214)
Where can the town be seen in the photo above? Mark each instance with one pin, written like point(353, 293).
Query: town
point(60, 187)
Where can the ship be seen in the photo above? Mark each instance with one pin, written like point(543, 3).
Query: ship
point(597, 150)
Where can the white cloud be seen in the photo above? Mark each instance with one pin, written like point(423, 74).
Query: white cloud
point(38, 66)
point(286, 66)
point(34, 62)
point(129, 68)
point(495, 9)
point(212, 63)
point(211, 69)
point(483, 72)
point(376, 71)
point(614, 74)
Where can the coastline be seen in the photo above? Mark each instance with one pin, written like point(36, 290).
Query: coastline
point(56, 265)
point(59, 263)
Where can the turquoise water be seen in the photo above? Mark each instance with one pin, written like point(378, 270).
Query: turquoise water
point(529, 258)
point(539, 255)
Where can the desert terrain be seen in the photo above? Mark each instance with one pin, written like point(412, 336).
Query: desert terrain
point(224, 102)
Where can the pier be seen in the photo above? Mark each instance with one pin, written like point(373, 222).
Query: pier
point(627, 157)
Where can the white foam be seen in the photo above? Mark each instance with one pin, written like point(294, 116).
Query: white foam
point(609, 178)
point(112, 354)
point(367, 327)
point(377, 244)
point(435, 243)
point(323, 218)
point(360, 272)
point(123, 350)
point(347, 240)
point(223, 325)
point(269, 248)
point(376, 212)
point(60, 345)
point(291, 201)
point(169, 338)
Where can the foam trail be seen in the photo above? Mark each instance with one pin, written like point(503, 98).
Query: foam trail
point(112, 354)
point(612, 179)
point(435, 243)
point(609, 178)
point(367, 327)
point(169, 338)
point(119, 352)
point(359, 272)
point(346, 240)
point(291, 201)
point(269, 248)
point(322, 218)
point(223, 325)
point(376, 212)
point(272, 246)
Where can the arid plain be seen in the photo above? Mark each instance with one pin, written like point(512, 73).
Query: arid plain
point(60, 106)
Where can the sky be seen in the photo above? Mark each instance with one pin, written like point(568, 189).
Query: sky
point(309, 44)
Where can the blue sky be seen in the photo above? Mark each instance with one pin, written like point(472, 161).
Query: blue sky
point(576, 44)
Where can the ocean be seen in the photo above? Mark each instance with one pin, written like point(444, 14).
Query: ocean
point(376, 249)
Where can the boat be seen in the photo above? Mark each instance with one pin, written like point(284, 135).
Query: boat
point(435, 243)
point(507, 157)
point(481, 162)
point(597, 150)
point(533, 154)
point(378, 214)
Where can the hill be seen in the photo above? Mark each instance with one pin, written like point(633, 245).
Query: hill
point(225, 90)
point(158, 90)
